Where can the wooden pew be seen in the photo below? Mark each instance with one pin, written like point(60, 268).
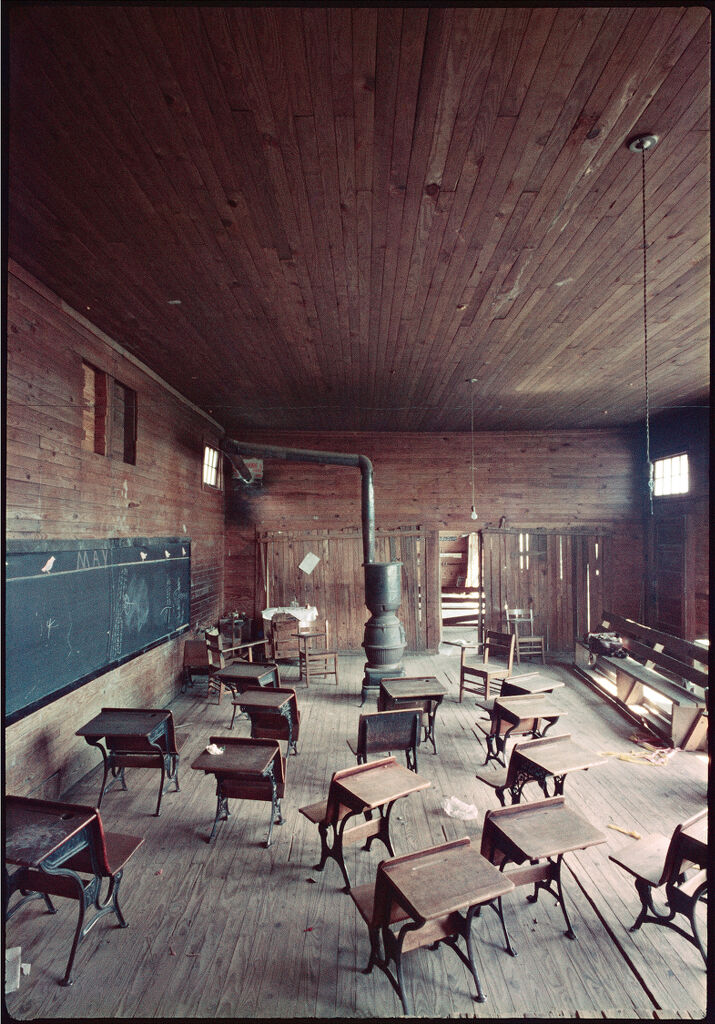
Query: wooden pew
point(667, 665)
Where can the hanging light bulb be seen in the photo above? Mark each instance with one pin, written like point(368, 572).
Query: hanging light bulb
point(640, 144)
point(473, 514)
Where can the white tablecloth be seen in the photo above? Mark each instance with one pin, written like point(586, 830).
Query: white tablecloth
point(305, 613)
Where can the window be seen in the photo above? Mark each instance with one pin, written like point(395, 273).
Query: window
point(670, 476)
point(109, 416)
point(212, 467)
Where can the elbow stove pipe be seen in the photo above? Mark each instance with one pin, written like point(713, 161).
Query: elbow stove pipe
point(384, 640)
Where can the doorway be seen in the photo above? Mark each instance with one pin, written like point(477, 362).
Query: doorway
point(460, 586)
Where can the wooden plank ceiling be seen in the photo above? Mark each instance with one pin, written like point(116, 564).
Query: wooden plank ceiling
point(325, 218)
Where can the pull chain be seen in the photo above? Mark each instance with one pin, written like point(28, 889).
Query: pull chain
point(649, 464)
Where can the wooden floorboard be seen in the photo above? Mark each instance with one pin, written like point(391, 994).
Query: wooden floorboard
point(236, 930)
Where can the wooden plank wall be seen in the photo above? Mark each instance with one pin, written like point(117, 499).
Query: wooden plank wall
point(57, 490)
point(562, 581)
point(559, 481)
point(337, 584)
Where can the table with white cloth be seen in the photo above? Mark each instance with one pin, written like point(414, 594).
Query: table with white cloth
point(304, 613)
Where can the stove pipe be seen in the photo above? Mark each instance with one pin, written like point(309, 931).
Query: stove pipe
point(384, 640)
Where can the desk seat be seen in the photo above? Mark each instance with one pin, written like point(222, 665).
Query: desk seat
point(528, 843)
point(662, 862)
point(35, 845)
point(437, 891)
point(248, 769)
point(136, 738)
point(354, 792)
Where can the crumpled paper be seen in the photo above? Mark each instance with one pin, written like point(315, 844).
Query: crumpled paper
point(214, 749)
point(455, 808)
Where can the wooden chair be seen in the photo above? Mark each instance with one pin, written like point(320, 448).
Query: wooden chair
point(271, 726)
point(385, 731)
point(137, 752)
point(317, 661)
point(527, 645)
point(196, 662)
point(496, 665)
point(662, 862)
point(105, 857)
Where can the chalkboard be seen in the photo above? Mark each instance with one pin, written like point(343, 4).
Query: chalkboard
point(76, 609)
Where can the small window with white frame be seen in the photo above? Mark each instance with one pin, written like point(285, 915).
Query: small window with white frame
point(212, 475)
point(670, 476)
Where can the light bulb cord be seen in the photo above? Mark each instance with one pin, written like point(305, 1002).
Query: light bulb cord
point(472, 432)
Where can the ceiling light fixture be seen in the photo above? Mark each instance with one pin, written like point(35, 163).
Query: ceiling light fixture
point(640, 144)
point(472, 381)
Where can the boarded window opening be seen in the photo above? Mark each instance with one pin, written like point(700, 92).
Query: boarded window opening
point(109, 416)
point(94, 410)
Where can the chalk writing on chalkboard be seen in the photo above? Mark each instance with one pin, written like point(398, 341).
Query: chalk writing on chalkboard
point(77, 609)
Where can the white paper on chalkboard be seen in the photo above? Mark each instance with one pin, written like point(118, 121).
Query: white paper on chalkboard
point(309, 563)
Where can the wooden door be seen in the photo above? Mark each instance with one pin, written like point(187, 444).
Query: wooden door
point(669, 584)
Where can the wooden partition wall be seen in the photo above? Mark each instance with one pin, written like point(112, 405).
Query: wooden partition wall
point(563, 576)
point(336, 586)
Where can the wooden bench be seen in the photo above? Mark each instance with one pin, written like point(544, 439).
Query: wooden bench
point(662, 664)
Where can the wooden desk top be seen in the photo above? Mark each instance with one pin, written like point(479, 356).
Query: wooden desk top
point(35, 829)
point(557, 755)
point(545, 829)
point(123, 722)
point(245, 670)
point(534, 682)
point(524, 706)
point(366, 790)
point(263, 699)
point(240, 757)
point(412, 686)
point(439, 883)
